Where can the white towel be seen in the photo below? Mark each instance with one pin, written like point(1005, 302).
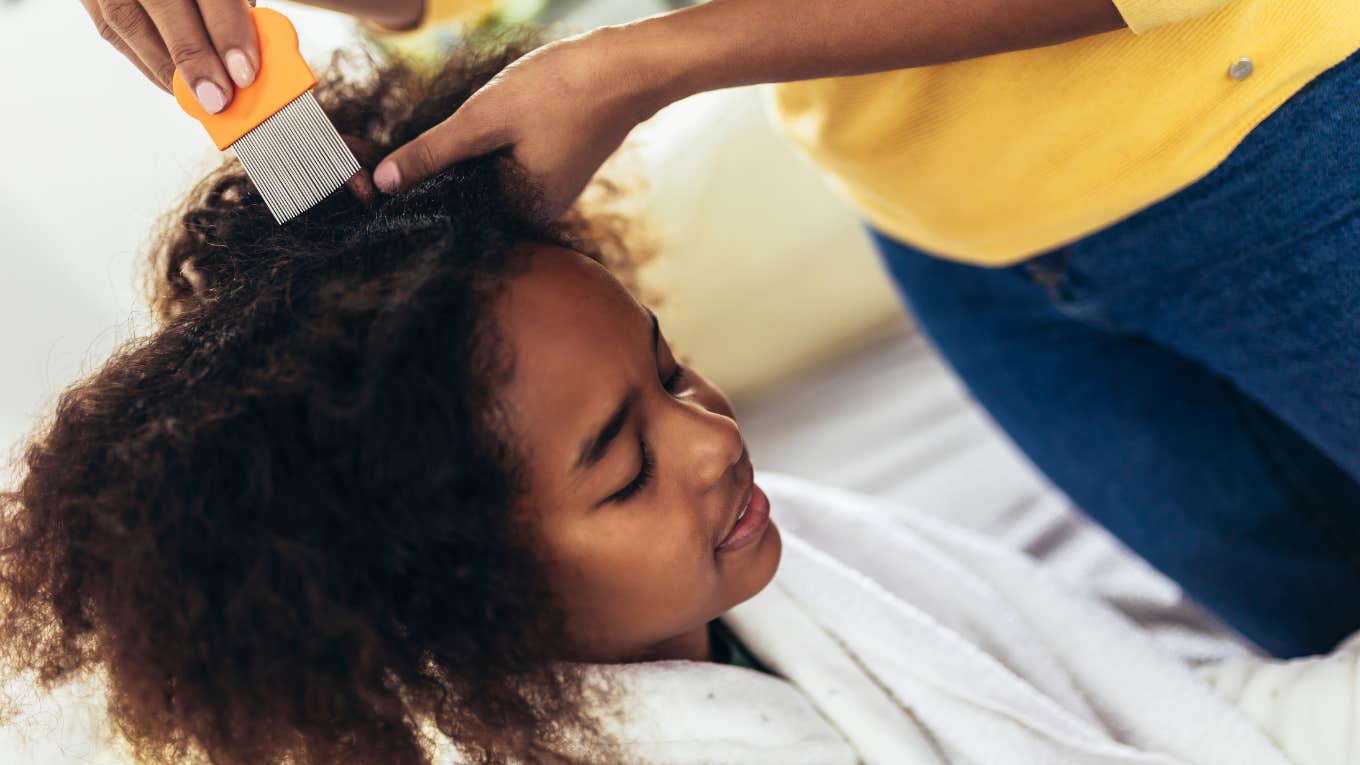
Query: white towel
point(903, 640)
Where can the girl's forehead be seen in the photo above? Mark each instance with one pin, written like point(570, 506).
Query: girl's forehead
point(578, 340)
point(562, 293)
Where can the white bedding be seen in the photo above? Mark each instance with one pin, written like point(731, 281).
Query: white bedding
point(916, 642)
point(891, 420)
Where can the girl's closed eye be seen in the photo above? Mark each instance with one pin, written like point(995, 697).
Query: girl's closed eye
point(673, 384)
point(639, 482)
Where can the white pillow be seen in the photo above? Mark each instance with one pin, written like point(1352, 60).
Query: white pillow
point(764, 270)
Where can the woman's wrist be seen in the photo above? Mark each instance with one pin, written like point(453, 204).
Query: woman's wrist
point(652, 66)
point(403, 15)
point(388, 15)
point(710, 46)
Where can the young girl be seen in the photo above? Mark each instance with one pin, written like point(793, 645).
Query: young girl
point(419, 472)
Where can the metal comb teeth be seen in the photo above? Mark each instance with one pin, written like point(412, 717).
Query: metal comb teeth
point(296, 158)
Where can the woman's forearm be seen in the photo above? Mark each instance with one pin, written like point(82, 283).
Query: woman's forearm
point(396, 15)
point(567, 106)
point(725, 43)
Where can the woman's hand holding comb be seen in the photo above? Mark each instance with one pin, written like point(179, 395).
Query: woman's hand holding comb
point(211, 42)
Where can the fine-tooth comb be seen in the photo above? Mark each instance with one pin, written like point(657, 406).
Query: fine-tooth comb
point(287, 144)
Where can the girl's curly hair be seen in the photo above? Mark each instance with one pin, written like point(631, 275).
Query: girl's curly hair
point(284, 526)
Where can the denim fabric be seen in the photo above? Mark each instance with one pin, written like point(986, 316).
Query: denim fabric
point(1191, 375)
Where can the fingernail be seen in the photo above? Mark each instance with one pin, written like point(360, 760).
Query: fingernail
point(210, 96)
point(242, 73)
point(387, 177)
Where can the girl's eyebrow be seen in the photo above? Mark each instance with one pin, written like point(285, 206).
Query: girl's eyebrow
point(594, 448)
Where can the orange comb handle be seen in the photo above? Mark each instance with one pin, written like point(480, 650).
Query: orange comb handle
point(283, 76)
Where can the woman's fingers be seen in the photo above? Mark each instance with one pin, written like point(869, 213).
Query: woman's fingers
point(233, 35)
point(130, 22)
point(167, 35)
point(212, 42)
point(113, 38)
point(455, 139)
point(181, 27)
point(126, 22)
point(559, 179)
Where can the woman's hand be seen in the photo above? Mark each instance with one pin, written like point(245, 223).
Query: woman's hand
point(211, 42)
point(561, 110)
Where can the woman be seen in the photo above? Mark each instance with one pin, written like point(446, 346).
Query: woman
point(1144, 212)
point(416, 472)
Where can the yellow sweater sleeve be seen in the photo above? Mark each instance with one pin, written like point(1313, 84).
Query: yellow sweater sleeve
point(1142, 15)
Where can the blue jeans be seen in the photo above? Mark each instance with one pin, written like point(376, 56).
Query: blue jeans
point(1190, 376)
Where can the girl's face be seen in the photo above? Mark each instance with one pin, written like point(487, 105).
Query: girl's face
point(636, 470)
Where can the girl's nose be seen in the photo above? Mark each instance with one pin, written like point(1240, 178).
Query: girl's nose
point(712, 445)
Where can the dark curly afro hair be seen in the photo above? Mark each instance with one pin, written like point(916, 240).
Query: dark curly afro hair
point(283, 526)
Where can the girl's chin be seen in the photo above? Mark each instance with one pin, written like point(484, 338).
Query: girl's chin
point(753, 567)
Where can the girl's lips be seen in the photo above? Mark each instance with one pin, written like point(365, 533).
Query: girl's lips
point(751, 525)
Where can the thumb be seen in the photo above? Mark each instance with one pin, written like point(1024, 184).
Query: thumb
point(438, 148)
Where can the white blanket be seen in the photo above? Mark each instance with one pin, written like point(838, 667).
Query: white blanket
point(908, 641)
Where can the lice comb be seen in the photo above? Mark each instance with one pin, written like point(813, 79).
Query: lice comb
point(289, 148)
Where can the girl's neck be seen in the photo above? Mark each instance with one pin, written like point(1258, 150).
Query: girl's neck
point(693, 645)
